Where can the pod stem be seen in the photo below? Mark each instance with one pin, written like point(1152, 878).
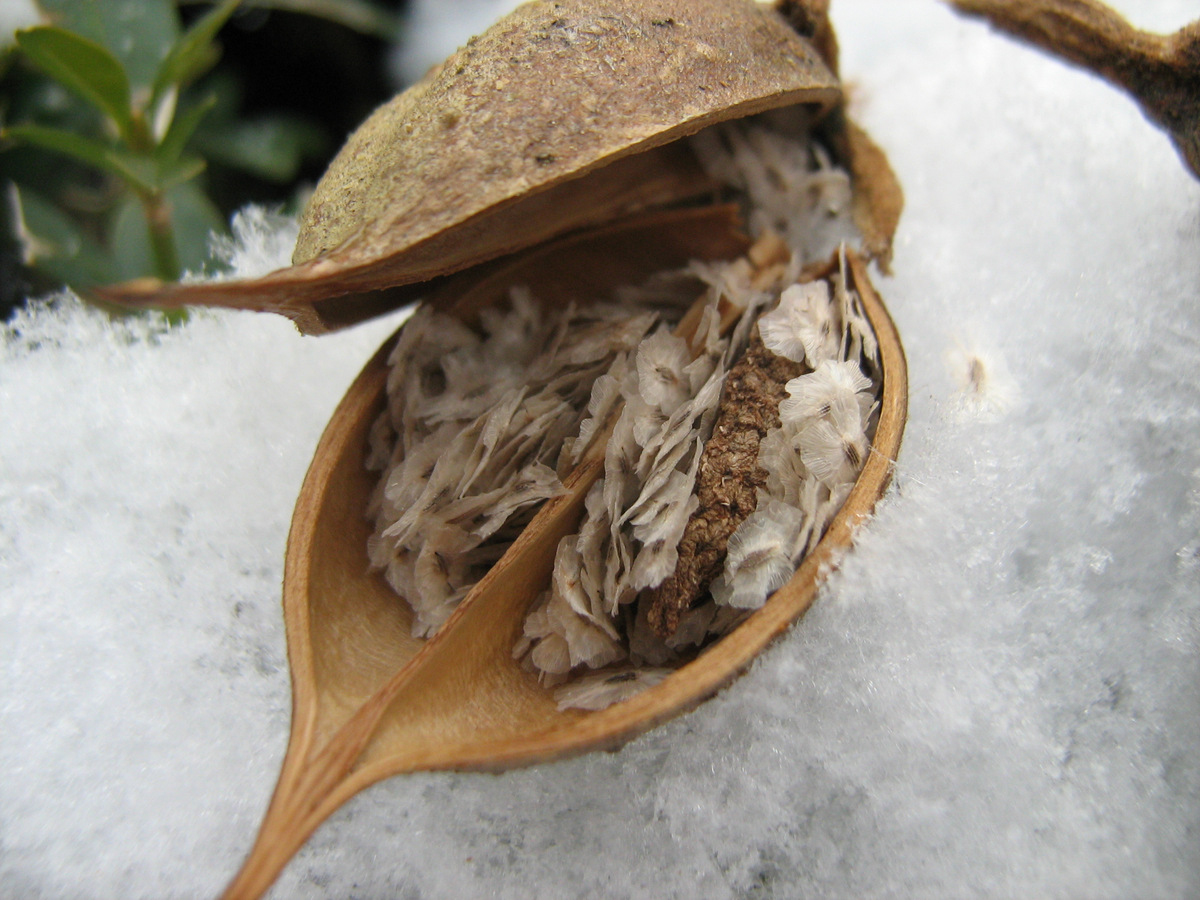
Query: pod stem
point(1161, 72)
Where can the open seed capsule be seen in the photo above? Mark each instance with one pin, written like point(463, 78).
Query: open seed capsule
point(575, 147)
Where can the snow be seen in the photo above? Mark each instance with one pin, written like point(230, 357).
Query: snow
point(998, 695)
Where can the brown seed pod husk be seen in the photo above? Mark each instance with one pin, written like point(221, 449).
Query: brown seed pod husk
point(810, 18)
point(561, 116)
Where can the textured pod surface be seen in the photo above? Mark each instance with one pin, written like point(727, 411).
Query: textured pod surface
point(551, 92)
point(371, 701)
point(488, 153)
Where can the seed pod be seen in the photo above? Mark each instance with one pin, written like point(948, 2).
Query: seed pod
point(562, 116)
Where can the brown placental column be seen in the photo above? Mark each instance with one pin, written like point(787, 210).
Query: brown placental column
point(727, 481)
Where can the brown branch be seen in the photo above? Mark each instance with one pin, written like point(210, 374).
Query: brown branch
point(1161, 72)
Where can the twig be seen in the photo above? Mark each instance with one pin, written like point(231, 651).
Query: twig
point(1161, 72)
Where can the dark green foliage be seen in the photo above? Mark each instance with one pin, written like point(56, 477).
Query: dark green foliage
point(128, 139)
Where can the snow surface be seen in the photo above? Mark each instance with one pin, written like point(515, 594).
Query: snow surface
point(997, 696)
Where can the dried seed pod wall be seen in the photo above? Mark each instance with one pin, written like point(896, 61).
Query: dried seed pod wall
point(650, 393)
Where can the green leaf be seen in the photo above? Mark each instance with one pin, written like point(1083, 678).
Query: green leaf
point(58, 248)
point(144, 174)
point(268, 147)
point(193, 54)
point(84, 67)
point(137, 32)
point(30, 95)
point(90, 151)
point(139, 172)
point(359, 15)
point(177, 171)
point(183, 126)
point(197, 219)
point(85, 149)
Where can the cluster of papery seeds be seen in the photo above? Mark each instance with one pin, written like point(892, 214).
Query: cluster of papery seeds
point(636, 513)
point(595, 613)
point(473, 434)
point(483, 425)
